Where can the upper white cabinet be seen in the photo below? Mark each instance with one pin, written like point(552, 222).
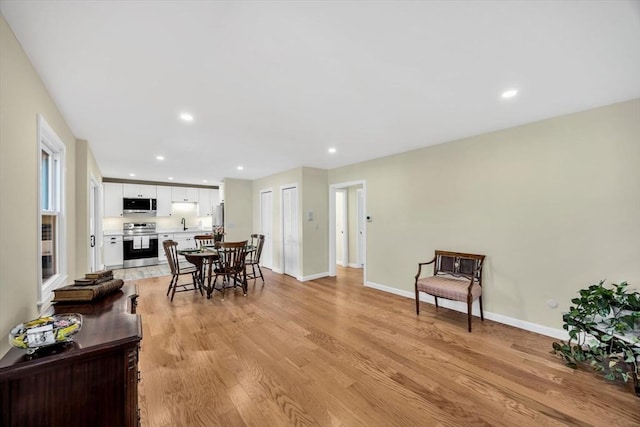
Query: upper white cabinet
point(163, 203)
point(112, 199)
point(184, 194)
point(143, 191)
point(205, 202)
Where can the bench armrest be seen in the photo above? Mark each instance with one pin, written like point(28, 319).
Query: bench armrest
point(420, 264)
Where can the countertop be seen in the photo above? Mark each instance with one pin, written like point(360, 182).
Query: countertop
point(163, 231)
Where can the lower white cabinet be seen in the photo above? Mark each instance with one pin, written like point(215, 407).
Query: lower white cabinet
point(185, 240)
point(113, 257)
point(161, 238)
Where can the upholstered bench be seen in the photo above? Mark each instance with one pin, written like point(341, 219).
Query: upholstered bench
point(456, 276)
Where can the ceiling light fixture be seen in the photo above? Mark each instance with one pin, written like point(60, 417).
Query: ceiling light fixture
point(170, 178)
point(159, 157)
point(186, 117)
point(204, 180)
point(132, 174)
point(509, 93)
point(240, 168)
point(332, 150)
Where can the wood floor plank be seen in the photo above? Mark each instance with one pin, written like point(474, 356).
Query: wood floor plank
point(331, 352)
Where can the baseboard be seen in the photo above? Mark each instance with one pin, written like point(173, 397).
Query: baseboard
point(276, 270)
point(340, 263)
point(462, 307)
point(355, 265)
point(313, 277)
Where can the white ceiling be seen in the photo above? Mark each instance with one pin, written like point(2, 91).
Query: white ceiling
point(273, 85)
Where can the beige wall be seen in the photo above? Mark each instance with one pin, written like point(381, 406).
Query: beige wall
point(86, 168)
point(313, 195)
point(22, 97)
point(238, 210)
point(555, 206)
point(315, 233)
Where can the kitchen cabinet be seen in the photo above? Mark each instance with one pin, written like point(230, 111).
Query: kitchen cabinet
point(186, 240)
point(113, 252)
point(91, 381)
point(112, 199)
point(163, 201)
point(184, 194)
point(142, 191)
point(207, 201)
point(162, 258)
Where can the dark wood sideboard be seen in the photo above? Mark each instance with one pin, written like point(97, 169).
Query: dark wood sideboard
point(92, 381)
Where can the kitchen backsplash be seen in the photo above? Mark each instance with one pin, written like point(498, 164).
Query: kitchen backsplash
point(188, 211)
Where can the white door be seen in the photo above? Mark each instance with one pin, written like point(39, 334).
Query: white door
point(361, 226)
point(342, 250)
point(266, 226)
point(94, 215)
point(290, 247)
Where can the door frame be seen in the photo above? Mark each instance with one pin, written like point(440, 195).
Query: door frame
point(263, 191)
point(95, 217)
point(282, 237)
point(345, 227)
point(332, 224)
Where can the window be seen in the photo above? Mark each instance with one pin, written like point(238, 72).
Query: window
point(52, 244)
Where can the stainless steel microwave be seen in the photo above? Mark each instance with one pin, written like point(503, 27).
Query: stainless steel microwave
point(139, 206)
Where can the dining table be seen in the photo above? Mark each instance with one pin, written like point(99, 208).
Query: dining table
point(197, 257)
point(208, 253)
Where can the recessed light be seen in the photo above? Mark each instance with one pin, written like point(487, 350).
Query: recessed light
point(204, 180)
point(186, 117)
point(132, 174)
point(509, 93)
point(240, 168)
point(332, 150)
point(159, 157)
point(170, 178)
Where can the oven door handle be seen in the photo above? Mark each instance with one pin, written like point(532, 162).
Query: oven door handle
point(130, 238)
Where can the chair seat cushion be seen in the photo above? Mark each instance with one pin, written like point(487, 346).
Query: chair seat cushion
point(449, 288)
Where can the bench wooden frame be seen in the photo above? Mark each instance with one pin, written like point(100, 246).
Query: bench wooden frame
point(451, 270)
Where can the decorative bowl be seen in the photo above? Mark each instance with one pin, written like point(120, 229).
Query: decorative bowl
point(45, 331)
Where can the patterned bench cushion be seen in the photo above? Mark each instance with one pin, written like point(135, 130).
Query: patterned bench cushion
point(449, 288)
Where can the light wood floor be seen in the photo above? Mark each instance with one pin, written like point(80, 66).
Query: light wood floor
point(331, 352)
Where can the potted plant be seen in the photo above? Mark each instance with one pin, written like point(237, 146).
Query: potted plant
point(604, 329)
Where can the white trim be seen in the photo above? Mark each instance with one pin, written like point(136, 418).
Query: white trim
point(261, 192)
point(462, 307)
point(354, 265)
point(314, 276)
point(48, 140)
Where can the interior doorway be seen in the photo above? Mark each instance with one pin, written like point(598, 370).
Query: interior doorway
point(95, 242)
point(342, 232)
point(356, 192)
point(266, 227)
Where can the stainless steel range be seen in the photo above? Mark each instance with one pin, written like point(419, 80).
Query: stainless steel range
point(140, 244)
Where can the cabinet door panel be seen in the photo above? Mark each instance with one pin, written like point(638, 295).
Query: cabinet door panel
point(113, 194)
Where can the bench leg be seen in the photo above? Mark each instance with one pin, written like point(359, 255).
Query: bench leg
point(469, 304)
point(481, 313)
point(417, 301)
point(436, 299)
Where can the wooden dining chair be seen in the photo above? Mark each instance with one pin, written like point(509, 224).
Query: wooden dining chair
point(171, 251)
point(230, 265)
point(204, 240)
point(253, 258)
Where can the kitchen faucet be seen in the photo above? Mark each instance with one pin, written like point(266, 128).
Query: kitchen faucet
point(184, 224)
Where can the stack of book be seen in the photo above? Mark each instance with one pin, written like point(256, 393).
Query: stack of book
point(91, 287)
point(95, 278)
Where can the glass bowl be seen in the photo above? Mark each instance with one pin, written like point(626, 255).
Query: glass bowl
point(45, 331)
